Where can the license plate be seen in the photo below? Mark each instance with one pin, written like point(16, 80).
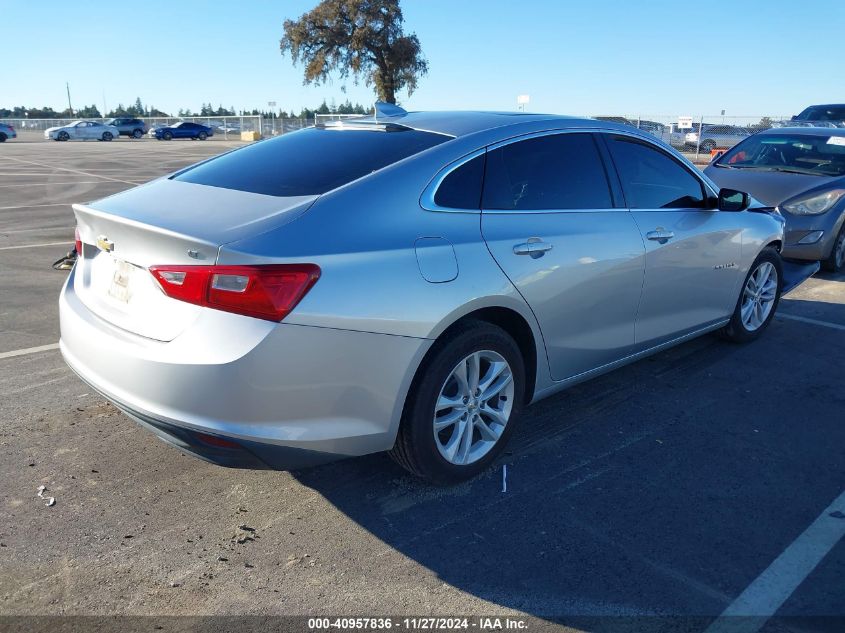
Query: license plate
point(120, 287)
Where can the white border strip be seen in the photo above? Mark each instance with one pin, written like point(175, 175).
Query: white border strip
point(29, 350)
point(793, 317)
point(763, 597)
point(12, 248)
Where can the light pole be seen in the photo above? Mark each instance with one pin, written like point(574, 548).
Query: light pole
point(69, 106)
point(272, 104)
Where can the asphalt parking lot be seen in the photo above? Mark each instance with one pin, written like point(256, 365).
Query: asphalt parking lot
point(701, 480)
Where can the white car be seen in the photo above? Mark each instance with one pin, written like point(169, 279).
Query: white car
point(152, 131)
point(82, 130)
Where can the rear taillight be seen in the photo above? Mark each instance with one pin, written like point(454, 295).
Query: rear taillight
point(264, 292)
point(77, 242)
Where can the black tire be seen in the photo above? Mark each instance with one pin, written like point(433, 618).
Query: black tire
point(108, 136)
point(167, 136)
point(2, 137)
point(736, 330)
point(137, 133)
point(202, 136)
point(415, 448)
point(836, 262)
point(63, 136)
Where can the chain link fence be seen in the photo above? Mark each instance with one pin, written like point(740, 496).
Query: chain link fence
point(699, 137)
point(224, 127)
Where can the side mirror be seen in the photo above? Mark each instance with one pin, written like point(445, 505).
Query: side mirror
point(733, 200)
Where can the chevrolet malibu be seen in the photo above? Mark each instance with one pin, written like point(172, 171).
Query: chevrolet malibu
point(407, 282)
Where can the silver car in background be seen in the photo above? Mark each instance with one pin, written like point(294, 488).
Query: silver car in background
point(83, 131)
point(407, 282)
point(714, 137)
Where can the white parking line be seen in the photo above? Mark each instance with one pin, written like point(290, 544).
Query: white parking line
point(763, 597)
point(75, 171)
point(42, 229)
point(793, 317)
point(12, 248)
point(29, 350)
point(35, 206)
point(56, 184)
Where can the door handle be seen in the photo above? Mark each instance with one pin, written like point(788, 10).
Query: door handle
point(660, 236)
point(535, 247)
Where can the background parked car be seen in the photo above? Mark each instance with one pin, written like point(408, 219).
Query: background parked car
point(676, 136)
point(802, 172)
point(82, 130)
point(713, 136)
point(127, 126)
point(184, 129)
point(7, 131)
point(156, 126)
point(829, 115)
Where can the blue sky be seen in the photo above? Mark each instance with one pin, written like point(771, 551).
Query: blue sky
point(656, 57)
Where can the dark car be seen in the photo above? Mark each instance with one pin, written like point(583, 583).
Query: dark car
point(801, 171)
point(184, 129)
point(128, 126)
point(832, 112)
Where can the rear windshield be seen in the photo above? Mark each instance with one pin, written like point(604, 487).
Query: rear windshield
point(797, 153)
point(311, 161)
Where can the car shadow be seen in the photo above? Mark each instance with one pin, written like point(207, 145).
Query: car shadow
point(660, 489)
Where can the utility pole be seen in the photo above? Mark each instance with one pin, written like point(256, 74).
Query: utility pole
point(70, 107)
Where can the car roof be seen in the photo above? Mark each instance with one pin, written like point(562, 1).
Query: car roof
point(462, 123)
point(826, 105)
point(807, 131)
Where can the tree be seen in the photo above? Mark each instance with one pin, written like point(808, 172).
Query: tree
point(89, 112)
point(764, 124)
point(362, 38)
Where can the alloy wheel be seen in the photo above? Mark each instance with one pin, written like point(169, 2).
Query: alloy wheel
point(473, 407)
point(759, 296)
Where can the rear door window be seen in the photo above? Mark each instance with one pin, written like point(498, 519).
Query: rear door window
point(311, 161)
point(553, 172)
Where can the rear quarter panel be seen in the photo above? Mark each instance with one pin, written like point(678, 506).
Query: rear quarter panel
point(363, 238)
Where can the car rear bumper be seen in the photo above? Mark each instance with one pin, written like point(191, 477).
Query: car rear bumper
point(284, 396)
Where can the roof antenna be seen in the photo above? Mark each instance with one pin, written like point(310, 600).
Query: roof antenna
point(386, 110)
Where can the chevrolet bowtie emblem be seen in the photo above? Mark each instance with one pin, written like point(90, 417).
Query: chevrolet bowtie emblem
point(104, 244)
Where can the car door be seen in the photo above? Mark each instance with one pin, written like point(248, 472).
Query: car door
point(692, 249)
point(185, 130)
point(79, 130)
point(552, 223)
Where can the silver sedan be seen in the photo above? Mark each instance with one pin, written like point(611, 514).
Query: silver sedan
point(82, 130)
point(407, 282)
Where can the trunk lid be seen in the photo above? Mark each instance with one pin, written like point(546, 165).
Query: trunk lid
point(165, 222)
